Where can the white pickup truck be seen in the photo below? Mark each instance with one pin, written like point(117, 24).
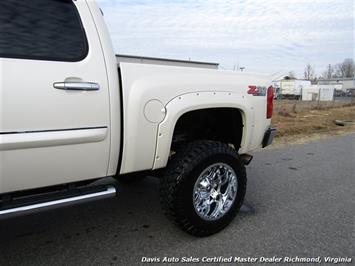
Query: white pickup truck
point(70, 114)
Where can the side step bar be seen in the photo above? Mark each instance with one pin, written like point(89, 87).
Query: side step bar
point(102, 193)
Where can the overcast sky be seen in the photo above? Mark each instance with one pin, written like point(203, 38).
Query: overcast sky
point(262, 35)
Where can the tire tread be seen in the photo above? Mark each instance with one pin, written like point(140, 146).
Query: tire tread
point(173, 175)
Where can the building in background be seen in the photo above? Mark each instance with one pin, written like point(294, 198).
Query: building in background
point(292, 88)
point(318, 93)
point(342, 86)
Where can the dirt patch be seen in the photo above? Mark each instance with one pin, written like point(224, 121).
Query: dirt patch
point(298, 122)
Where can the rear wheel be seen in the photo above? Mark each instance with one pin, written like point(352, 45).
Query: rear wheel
point(203, 187)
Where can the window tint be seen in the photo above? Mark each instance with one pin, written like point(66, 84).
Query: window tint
point(42, 30)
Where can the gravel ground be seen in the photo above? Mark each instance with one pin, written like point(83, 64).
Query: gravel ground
point(300, 202)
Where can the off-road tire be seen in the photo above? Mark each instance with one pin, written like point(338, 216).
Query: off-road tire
point(178, 179)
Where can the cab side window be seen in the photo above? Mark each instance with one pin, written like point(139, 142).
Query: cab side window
point(41, 30)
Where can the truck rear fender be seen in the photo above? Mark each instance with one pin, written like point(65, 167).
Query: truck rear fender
point(185, 103)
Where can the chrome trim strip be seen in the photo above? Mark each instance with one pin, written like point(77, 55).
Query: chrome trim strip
point(48, 130)
point(51, 138)
point(108, 193)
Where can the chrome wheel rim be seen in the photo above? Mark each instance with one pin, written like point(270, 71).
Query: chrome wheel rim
point(215, 191)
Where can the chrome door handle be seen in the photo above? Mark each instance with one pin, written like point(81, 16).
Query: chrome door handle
point(77, 86)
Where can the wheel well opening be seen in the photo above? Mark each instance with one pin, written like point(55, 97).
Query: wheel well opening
point(218, 124)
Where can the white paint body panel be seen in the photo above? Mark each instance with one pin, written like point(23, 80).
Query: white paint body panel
point(56, 136)
point(143, 83)
point(113, 86)
point(30, 103)
point(52, 138)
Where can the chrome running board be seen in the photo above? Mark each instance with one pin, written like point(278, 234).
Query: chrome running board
point(105, 192)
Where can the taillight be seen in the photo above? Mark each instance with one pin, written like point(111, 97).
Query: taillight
point(261, 91)
point(270, 99)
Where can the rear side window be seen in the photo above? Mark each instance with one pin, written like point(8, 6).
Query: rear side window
point(41, 30)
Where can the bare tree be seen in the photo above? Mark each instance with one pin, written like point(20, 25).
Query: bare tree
point(329, 73)
point(346, 69)
point(309, 72)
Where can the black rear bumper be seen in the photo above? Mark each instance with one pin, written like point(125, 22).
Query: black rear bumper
point(269, 137)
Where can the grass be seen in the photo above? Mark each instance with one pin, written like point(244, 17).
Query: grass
point(298, 119)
